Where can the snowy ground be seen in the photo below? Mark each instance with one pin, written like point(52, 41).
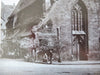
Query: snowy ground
point(19, 67)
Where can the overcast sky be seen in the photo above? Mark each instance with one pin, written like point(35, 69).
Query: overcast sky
point(10, 2)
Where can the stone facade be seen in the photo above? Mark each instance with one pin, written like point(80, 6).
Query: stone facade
point(56, 27)
point(60, 15)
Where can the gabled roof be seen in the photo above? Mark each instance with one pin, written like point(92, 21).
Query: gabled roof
point(22, 4)
point(46, 19)
point(28, 14)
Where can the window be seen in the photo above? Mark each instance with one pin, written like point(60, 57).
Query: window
point(77, 18)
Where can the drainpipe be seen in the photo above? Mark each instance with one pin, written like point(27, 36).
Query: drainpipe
point(99, 23)
point(58, 46)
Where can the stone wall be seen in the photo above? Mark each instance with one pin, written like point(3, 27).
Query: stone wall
point(61, 17)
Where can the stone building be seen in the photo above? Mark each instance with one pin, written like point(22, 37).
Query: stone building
point(70, 28)
point(76, 23)
point(20, 23)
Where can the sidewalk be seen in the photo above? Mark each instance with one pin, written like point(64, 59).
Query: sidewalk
point(77, 63)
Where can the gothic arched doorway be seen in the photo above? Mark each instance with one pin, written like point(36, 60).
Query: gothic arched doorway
point(80, 31)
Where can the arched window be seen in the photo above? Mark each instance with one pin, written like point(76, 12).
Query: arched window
point(79, 30)
point(77, 18)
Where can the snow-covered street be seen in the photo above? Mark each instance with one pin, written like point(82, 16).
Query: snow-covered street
point(19, 67)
